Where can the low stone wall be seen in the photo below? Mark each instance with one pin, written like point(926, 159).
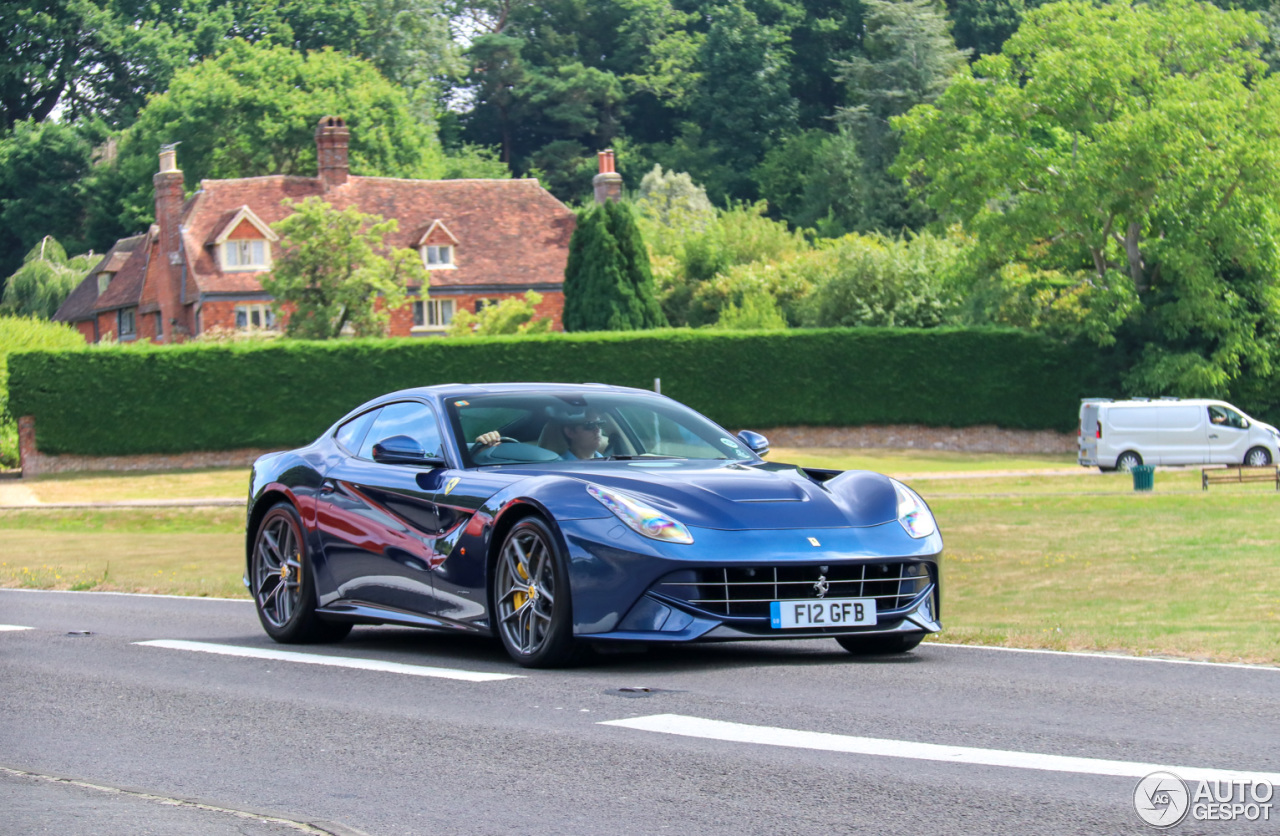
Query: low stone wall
point(986, 439)
point(35, 463)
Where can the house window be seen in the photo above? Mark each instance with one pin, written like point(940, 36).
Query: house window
point(438, 257)
point(127, 322)
point(159, 324)
point(433, 313)
point(244, 254)
point(255, 316)
point(104, 279)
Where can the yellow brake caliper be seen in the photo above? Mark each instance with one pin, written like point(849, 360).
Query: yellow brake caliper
point(520, 597)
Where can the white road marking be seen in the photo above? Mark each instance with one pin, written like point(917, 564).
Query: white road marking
point(1117, 656)
point(331, 661)
point(6, 628)
point(126, 594)
point(769, 736)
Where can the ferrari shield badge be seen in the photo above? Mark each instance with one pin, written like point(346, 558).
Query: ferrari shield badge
point(450, 485)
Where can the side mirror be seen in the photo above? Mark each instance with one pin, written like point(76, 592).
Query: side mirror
point(401, 449)
point(755, 442)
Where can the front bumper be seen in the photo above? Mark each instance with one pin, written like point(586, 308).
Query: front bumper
point(619, 592)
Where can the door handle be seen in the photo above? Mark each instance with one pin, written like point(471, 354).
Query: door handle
point(1213, 436)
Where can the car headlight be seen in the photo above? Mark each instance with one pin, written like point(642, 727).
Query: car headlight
point(913, 513)
point(641, 518)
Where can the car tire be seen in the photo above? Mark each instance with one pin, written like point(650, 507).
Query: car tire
point(1127, 461)
point(532, 607)
point(1257, 457)
point(283, 584)
point(881, 644)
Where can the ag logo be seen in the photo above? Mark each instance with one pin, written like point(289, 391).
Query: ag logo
point(1161, 799)
point(450, 485)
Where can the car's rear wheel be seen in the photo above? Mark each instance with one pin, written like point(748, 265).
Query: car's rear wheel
point(1257, 457)
point(531, 600)
point(1127, 461)
point(892, 643)
point(283, 585)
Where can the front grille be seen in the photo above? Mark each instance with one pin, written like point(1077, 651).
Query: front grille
point(747, 591)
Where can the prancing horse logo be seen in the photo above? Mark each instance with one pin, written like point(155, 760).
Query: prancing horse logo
point(820, 586)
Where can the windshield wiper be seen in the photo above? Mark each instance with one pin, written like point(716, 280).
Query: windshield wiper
point(640, 456)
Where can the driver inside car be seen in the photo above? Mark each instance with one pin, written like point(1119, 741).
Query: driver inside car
point(582, 439)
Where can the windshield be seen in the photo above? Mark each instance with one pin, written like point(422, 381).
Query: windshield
point(550, 427)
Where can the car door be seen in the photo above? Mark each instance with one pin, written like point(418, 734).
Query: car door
point(379, 522)
point(1228, 435)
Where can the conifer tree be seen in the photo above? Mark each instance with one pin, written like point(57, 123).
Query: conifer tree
point(635, 259)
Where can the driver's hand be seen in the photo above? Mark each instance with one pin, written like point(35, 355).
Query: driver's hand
point(488, 439)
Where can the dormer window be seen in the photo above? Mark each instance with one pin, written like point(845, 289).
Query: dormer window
point(244, 255)
point(440, 256)
point(438, 247)
point(244, 243)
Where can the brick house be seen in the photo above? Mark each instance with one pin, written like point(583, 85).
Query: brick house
point(198, 266)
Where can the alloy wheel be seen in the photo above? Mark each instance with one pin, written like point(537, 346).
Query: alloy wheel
point(526, 590)
point(277, 581)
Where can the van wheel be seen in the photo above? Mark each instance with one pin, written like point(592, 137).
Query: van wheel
point(1128, 460)
point(1257, 457)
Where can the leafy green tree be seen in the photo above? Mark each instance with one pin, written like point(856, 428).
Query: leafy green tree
point(336, 271)
point(880, 281)
point(84, 58)
point(982, 26)
point(42, 171)
point(908, 59)
point(743, 98)
point(1136, 148)
point(672, 201)
point(44, 281)
point(252, 110)
point(509, 316)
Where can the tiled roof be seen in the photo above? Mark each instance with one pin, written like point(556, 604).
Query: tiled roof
point(84, 300)
point(509, 232)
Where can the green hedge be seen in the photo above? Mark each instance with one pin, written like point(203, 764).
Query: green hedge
point(120, 401)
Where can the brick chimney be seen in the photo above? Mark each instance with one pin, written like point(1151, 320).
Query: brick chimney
point(168, 185)
point(332, 139)
point(608, 183)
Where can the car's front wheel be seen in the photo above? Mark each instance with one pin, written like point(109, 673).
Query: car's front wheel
point(531, 597)
point(284, 589)
point(892, 643)
point(1257, 457)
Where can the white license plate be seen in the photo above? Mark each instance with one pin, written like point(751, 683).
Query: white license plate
point(833, 612)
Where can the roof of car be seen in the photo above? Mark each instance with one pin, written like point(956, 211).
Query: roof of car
point(450, 390)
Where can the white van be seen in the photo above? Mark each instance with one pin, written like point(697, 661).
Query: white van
point(1122, 434)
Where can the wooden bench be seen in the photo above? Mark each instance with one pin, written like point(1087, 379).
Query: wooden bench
point(1240, 474)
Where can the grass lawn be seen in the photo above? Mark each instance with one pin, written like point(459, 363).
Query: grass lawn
point(181, 551)
point(1076, 561)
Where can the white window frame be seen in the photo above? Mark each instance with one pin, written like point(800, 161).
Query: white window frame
point(129, 315)
point(241, 255)
point(433, 314)
point(439, 257)
point(265, 313)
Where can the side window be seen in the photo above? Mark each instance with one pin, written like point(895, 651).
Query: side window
point(1223, 417)
point(408, 418)
point(350, 434)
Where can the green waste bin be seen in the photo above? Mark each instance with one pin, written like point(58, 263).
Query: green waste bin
point(1144, 477)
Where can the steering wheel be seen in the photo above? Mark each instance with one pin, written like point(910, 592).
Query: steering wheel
point(502, 439)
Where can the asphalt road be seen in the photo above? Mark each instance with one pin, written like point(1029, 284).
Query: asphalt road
point(1026, 742)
